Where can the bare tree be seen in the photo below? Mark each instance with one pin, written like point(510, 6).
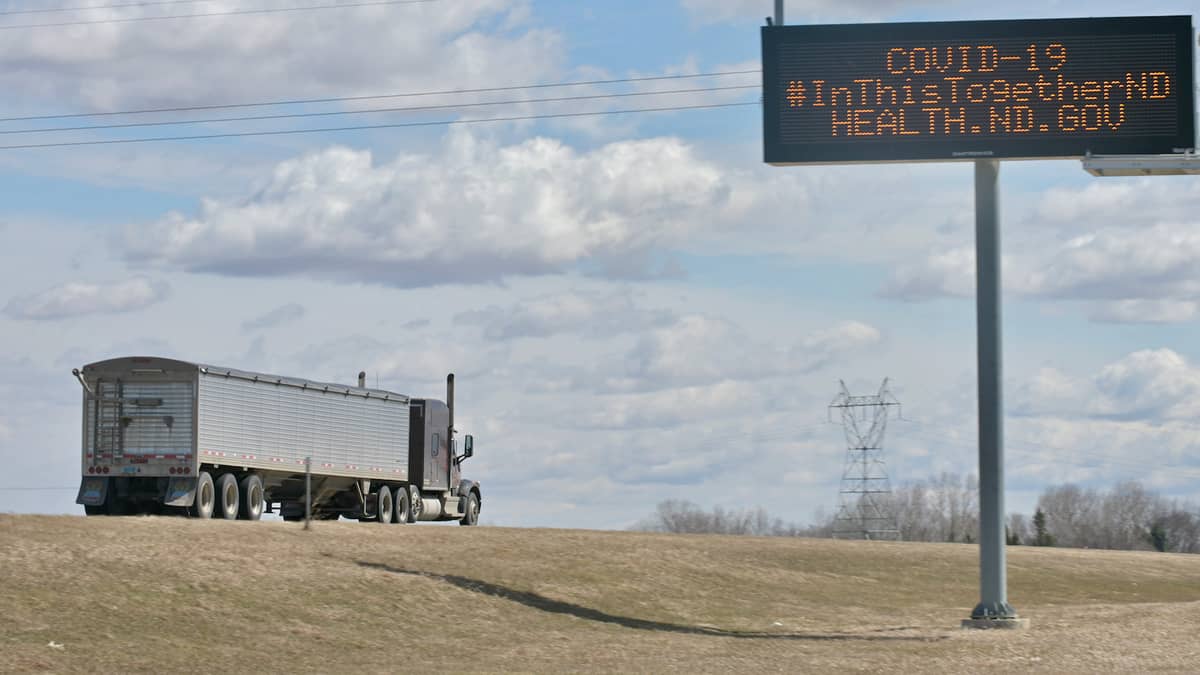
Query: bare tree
point(1019, 529)
point(684, 517)
point(1126, 517)
point(945, 508)
point(1071, 515)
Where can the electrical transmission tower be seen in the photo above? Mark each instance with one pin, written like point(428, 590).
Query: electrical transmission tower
point(864, 501)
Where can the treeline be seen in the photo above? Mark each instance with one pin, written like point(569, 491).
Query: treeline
point(684, 517)
point(946, 509)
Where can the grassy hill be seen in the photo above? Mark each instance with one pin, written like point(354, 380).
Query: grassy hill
point(175, 595)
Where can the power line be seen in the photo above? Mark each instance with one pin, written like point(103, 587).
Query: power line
point(364, 127)
point(31, 489)
point(346, 99)
point(329, 113)
point(236, 12)
point(79, 8)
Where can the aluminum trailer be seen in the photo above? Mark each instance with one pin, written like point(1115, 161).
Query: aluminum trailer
point(161, 435)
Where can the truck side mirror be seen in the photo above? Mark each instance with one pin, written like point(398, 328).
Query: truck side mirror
point(468, 446)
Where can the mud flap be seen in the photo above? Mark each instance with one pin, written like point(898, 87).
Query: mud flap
point(92, 491)
point(180, 492)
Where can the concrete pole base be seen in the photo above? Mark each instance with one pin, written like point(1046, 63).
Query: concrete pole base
point(985, 624)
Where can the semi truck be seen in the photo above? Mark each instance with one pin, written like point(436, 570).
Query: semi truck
point(168, 436)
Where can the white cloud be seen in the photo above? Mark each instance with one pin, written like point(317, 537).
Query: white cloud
point(1145, 274)
point(1128, 247)
point(712, 11)
point(348, 51)
point(280, 315)
point(1136, 263)
point(944, 273)
point(79, 299)
point(1145, 311)
point(594, 313)
point(414, 364)
point(698, 349)
point(1148, 385)
point(479, 213)
point(1117, 203)
point(666, 409)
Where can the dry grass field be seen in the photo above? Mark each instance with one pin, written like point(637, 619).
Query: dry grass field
point(174, 595)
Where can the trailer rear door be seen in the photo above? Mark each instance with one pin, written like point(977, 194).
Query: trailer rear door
point(139, 423)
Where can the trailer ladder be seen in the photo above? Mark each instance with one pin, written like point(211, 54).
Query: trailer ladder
point(110, 413)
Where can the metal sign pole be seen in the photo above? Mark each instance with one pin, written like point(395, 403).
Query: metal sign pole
point(993, 609)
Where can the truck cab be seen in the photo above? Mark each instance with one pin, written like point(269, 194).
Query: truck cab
point(437, 489)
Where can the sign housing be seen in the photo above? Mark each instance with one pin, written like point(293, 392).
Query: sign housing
point(964, 90)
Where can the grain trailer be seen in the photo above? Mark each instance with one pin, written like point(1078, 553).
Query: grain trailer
point(161, 436)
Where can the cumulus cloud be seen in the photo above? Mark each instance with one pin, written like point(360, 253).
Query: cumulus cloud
point(592, 313)
point(699, 349)
point(347, 51)
point(664, 409)
point(1135, 275)
point(711, 11)
point(80, 299)
point(1128, 248)
point(1117, 203)
point(1145, 311)
point(280, 315)
point(940, 274)
point(1149, 385)
point(418, 365)
point(481, 212)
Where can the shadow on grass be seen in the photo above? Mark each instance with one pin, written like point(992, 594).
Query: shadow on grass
point(541, 602)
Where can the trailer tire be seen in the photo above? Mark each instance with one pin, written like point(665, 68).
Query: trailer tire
point(402, 511)
point(251, 497)
point(383, 505)
point(227, 496)
point(471, 513)
point(206, 497)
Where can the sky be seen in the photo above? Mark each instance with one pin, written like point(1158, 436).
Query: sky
point(635, 306)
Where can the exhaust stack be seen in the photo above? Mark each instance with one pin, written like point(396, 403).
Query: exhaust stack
point(450, 405)
point(362, 379)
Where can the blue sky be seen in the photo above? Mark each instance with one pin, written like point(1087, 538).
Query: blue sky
point(636, 307)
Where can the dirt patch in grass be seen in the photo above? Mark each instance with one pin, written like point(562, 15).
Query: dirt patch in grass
point(174, 595)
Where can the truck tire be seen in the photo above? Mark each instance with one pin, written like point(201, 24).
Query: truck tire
point(383, 505)
point(471, 513)
point(227, 496)
point(251, 497)
point(206, 497)
point(402, 513)
point(96, 510)
point(415, 505)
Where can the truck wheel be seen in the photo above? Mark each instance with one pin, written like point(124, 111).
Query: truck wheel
point(251, 497)
point(416, 506)
point(402, 511)
point(471, 514)
point(206, 497)
point(383, 505)
point(227, 496)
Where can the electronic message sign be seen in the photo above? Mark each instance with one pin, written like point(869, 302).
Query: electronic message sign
point(977, 90)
